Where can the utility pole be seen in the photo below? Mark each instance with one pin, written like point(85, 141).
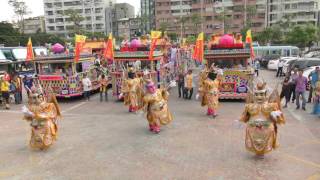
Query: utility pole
point(181, 11)
point(201, 15)
point(245, 13)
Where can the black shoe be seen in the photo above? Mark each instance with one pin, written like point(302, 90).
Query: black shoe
point(298, 107)
point(304, 108)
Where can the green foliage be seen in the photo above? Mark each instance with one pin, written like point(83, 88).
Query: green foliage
point(303, 36)
point(163, 26)
point(20, 9)
point(191, 39)
point(11, 37)
point(285, 33)
point(76, 18)
point(173, 36)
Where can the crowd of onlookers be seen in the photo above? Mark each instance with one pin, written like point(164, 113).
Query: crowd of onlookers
point(11, 87)
point(295, 88)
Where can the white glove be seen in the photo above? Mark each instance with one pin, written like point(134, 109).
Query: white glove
point(27, 112)
point(276, 114)
point(197, 96)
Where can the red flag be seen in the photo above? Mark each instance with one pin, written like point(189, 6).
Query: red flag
point(30, 55)
point(108, 51)
point(155, 35)
point(199, 48)
point(80, 41)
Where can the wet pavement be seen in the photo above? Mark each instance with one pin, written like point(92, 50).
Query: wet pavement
point(103, 141)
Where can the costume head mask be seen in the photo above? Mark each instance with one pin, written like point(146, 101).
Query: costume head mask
point(131, 73)
point(151, 88)
point(212, 75)
point(36, 98)
point(260, 93)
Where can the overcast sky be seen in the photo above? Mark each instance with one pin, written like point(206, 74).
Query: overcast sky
point(36, 6)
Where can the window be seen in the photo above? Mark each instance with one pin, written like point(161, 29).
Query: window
point(99, 18)
point(51, 20)
point(48, 5)
point(50, 13)
point(87, 11)
point(51, 28)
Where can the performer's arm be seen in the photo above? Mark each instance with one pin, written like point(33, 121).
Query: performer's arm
point(245, 117)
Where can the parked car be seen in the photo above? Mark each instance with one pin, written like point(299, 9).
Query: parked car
point(303, 63)
point(273, 64)
point(288, 61)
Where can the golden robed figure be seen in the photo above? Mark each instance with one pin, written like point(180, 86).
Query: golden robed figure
point(262, 114)
point(43, 116)
point(132, 91)
point(155, 103)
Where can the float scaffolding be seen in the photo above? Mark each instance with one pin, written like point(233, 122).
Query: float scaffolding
point(141, 62)
point(63, 75)
point(233, 58)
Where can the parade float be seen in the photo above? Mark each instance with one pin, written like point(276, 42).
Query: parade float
point(138, 57)
point(231, 55)
point(63, 75)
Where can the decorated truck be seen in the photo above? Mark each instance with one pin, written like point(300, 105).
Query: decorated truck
point(231, 55)
point(63, 75)
point(141, 63)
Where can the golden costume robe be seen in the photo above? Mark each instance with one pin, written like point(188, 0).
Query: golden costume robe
point(261, 131)
point(203, 76)
point(132, 90)
point(45, 121)
point(211, 89)
point(157, 107)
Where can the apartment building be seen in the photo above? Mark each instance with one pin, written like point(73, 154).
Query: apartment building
point(129, 27)
point(34, 25)
point(97, 15)
point(121, 11)
point(189, 17)
point(147, 8)
point(297, 11)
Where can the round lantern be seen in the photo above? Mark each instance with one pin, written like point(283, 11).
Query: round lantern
point(226, 41)
point(57, 48)
point(135, 43)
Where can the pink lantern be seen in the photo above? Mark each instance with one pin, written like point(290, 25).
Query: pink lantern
point(57, 48)
point(226, 41)
point(135, 43)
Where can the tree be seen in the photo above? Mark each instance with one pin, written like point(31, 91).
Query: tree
point(196, 20)
point(144, 20)
point(183, 20)
point(163, 26)
point(271, 35)
point(250, 11)
point(76, 18)
point(303, 35)
point(20, 9)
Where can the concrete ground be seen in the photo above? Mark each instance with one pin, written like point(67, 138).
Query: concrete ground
point(103, 141)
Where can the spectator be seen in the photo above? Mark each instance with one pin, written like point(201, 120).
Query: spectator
point(87, 86)
point(180, 81)
point(28, 84)
point(18, 89)
point(301, 84)
point(292, 83)
point(5, 87)
point(316, 99)
point(280, 68)
point(313, 78)
point(256, 67)
point(189, 84)
point(103, 87)
point(285, 92)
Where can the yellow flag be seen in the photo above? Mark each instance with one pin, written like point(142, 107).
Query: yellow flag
point(155, 34)
point(249, 37)
point(80, 38)
point(201, 37)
